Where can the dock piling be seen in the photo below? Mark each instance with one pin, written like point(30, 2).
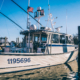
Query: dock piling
point(79, 52)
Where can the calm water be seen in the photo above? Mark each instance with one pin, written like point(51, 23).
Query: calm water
point(60, 72)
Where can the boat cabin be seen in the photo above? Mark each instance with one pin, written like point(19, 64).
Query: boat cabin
point(40, 39)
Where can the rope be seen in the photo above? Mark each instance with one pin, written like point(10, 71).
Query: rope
point(1, 5)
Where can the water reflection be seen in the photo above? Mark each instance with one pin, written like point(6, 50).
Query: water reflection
point(60, 72)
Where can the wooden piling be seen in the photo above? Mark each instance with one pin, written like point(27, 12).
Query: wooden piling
point(79, 52)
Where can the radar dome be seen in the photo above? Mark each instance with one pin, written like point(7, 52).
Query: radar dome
point(33, 27)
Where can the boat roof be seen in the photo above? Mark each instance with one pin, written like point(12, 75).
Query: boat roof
point(25, 32)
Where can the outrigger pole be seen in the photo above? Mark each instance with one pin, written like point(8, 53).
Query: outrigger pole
point(26, 12)
point(11, 20)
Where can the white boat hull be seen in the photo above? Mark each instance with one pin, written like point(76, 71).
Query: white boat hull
point(24, 61)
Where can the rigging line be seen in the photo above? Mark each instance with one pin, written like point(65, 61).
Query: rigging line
point(12, 21)
point(7, 28)
point(26, 12)
point(13, 15)
point(1, 5)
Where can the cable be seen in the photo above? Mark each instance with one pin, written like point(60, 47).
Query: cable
point(26, 12)
point(12, 21)
point(13, 15)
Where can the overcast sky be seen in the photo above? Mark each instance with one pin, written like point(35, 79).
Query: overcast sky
point(57, 8)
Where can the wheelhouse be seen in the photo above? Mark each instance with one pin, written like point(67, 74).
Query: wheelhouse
point(39, 39)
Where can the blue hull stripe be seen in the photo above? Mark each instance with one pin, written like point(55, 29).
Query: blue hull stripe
point(64, 45)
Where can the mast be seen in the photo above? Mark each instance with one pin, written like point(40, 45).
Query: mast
point(28, 26)
point(28, 23)
point(49, 17)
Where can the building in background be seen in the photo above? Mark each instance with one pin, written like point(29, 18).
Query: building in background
point(4, 44)
point(4, 41)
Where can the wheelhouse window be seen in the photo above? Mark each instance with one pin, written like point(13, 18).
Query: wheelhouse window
point(62, 39)
point(43, 37)
point(36, 38)
point(55, 38)
point(66, 39)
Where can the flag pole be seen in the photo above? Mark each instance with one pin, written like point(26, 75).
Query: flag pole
point(28, 27)
point(28, 15)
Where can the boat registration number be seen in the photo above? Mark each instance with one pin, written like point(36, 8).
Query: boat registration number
point(18, 60)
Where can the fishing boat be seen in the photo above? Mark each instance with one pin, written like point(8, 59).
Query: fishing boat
point(43, 47)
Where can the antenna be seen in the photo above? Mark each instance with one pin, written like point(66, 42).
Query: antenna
point(50, 17)
point(66, 21)
point(58, 29)
point(48, 7)
point(48, 2)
